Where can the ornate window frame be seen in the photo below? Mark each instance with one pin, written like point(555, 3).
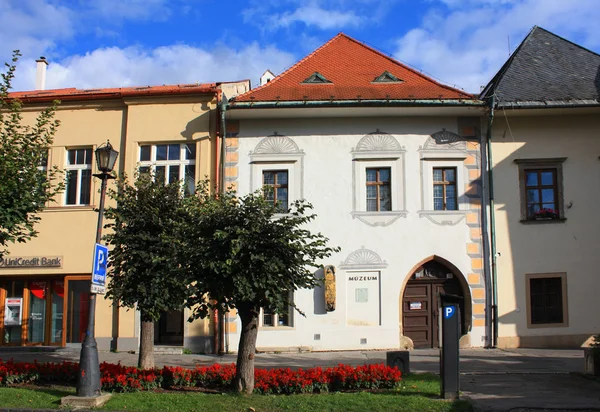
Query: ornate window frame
point(443, 149)
point(376, 150)
point(278, 152)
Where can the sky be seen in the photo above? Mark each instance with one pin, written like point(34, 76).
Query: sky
point(120, 43)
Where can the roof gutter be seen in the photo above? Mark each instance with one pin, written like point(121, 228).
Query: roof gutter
point(356, 103)
point(548, 105)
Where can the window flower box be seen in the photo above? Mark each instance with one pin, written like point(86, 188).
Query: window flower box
point(545, 214)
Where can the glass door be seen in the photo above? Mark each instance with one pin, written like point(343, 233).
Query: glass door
point(56, 309)
point(77, 309)
point(36, 321)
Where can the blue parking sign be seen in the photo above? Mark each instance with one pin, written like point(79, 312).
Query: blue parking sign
point(99, 269)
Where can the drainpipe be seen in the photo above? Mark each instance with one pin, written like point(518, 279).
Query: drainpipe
point(485, 243)
point(223, 334)
point(492, 225)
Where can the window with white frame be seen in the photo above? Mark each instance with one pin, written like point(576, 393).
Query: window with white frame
point(277, 161)
point(170, 163)
point(270, 319)
point(78, 176)
point(378, 179)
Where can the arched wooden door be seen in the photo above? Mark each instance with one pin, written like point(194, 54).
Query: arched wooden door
point(420, 303)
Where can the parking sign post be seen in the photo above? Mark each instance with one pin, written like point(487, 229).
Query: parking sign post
point(88, 379)
point(449, 355)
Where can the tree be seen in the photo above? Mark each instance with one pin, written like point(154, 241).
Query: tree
point(243, 254)
point(144, 232)
point(25, 183)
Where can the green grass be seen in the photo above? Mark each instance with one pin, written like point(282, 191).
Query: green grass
point(418, 393)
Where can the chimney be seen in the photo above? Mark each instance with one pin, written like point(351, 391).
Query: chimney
point(40, 75)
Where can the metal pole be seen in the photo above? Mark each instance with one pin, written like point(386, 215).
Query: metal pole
point(88, 379)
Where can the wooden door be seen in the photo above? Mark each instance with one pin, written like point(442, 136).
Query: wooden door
point(417, 314)
point(420, 310)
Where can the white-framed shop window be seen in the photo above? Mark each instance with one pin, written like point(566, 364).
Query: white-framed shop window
point(78, 174)
point(170, 162)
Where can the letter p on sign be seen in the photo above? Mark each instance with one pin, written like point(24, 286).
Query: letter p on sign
point(449, 311)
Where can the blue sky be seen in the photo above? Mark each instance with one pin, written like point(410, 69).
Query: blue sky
point(108, 43)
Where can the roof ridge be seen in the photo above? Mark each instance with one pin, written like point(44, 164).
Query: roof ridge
point(415, 71)
point(278, 77)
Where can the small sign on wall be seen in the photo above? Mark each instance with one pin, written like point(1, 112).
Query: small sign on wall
point(362, 295)
point(415, 306)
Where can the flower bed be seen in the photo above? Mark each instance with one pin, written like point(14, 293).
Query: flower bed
point(119, 378)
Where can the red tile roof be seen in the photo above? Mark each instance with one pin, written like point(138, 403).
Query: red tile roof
point(111, 93)
point(351, 67)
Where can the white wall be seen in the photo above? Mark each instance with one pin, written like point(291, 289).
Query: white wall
point(327, 169)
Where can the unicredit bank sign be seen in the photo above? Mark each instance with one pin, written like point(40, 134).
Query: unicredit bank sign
point(31, 262)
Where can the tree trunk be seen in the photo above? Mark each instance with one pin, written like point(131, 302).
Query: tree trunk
point(146, 358)
point(244, 376)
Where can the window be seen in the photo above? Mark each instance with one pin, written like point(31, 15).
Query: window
point(170, 163)
point(546, 305)
point(541, 193)
point(276, 183)
point(541, 189)
point(379, 195)
point(276, 319)
point(444, 188)
point(79, 176)
point(378, 179)
point(43, 164)
point(272, 320)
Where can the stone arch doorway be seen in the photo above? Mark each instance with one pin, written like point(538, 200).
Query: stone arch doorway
point(420, 300)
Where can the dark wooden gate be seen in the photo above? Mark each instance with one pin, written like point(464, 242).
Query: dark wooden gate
point(420, 303)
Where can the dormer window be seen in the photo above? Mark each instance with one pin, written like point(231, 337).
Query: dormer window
point(316, 78)
point(387, 77)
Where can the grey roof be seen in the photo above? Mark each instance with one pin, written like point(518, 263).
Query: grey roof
point(547, 71)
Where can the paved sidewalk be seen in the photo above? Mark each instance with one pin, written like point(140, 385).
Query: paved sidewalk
point(496, 380)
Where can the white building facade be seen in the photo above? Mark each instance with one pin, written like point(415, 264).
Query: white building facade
point(396, 186)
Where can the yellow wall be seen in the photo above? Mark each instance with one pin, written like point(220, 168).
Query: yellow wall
point(69, 231)
point(571, 247)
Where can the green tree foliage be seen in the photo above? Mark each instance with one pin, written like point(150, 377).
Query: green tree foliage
point(145, 271)
point(25, 187)
point(244, 254)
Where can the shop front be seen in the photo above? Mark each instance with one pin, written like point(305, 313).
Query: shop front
point(45, 311)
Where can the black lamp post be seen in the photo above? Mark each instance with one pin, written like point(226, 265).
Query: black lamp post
point(88, 380)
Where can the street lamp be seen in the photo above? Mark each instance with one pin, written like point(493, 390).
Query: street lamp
point(88, 380)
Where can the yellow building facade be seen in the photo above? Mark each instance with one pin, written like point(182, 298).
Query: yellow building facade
point(45, 283)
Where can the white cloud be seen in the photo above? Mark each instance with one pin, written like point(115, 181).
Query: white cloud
point(135, 66)
point(316, 16)
point(32, 26)
point(270, 15)
point(466, 42)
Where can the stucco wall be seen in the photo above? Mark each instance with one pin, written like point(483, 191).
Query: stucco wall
point(569, 247)
point(327, 168)
point(69, 231)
